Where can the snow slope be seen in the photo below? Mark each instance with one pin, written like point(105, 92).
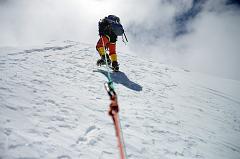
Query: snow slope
point(53, 105)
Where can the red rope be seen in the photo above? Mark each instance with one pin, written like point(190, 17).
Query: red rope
point(113, 112)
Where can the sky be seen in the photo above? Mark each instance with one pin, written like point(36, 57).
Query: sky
point(198, 35)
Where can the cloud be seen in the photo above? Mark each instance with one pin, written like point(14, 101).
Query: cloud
point(209, 42)
point(29, 21)
point(201, 35)
point(212, 44)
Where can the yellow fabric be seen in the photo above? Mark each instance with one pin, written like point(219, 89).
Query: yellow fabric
point(101, 51)
point(113, 57)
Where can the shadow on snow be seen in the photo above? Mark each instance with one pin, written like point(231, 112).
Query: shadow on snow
point(121, 78)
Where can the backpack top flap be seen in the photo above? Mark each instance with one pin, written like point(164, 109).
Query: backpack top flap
point(117, 29)
point(113, 18)
point(116, 26)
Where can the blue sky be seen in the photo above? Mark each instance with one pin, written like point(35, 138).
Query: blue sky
point(200, 35)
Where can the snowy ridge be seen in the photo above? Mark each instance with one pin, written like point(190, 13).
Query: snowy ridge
point(53, 105)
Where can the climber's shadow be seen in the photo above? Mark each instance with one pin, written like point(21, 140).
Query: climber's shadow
point(121, 78)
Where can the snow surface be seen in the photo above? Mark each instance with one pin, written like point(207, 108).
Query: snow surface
point(53, 105)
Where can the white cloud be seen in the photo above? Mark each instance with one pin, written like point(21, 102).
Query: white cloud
point(33, 20)
point(40, 20)
point(213, 45)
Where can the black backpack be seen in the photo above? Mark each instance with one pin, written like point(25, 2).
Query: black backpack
point(113, 23)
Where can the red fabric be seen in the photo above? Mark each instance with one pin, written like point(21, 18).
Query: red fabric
point(112, 48)
point(104, 42)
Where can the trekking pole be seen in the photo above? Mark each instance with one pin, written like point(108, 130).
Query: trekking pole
point(125, 41)
point(125, 36)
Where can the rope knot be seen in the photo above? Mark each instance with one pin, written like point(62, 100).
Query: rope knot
point(113, 107)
